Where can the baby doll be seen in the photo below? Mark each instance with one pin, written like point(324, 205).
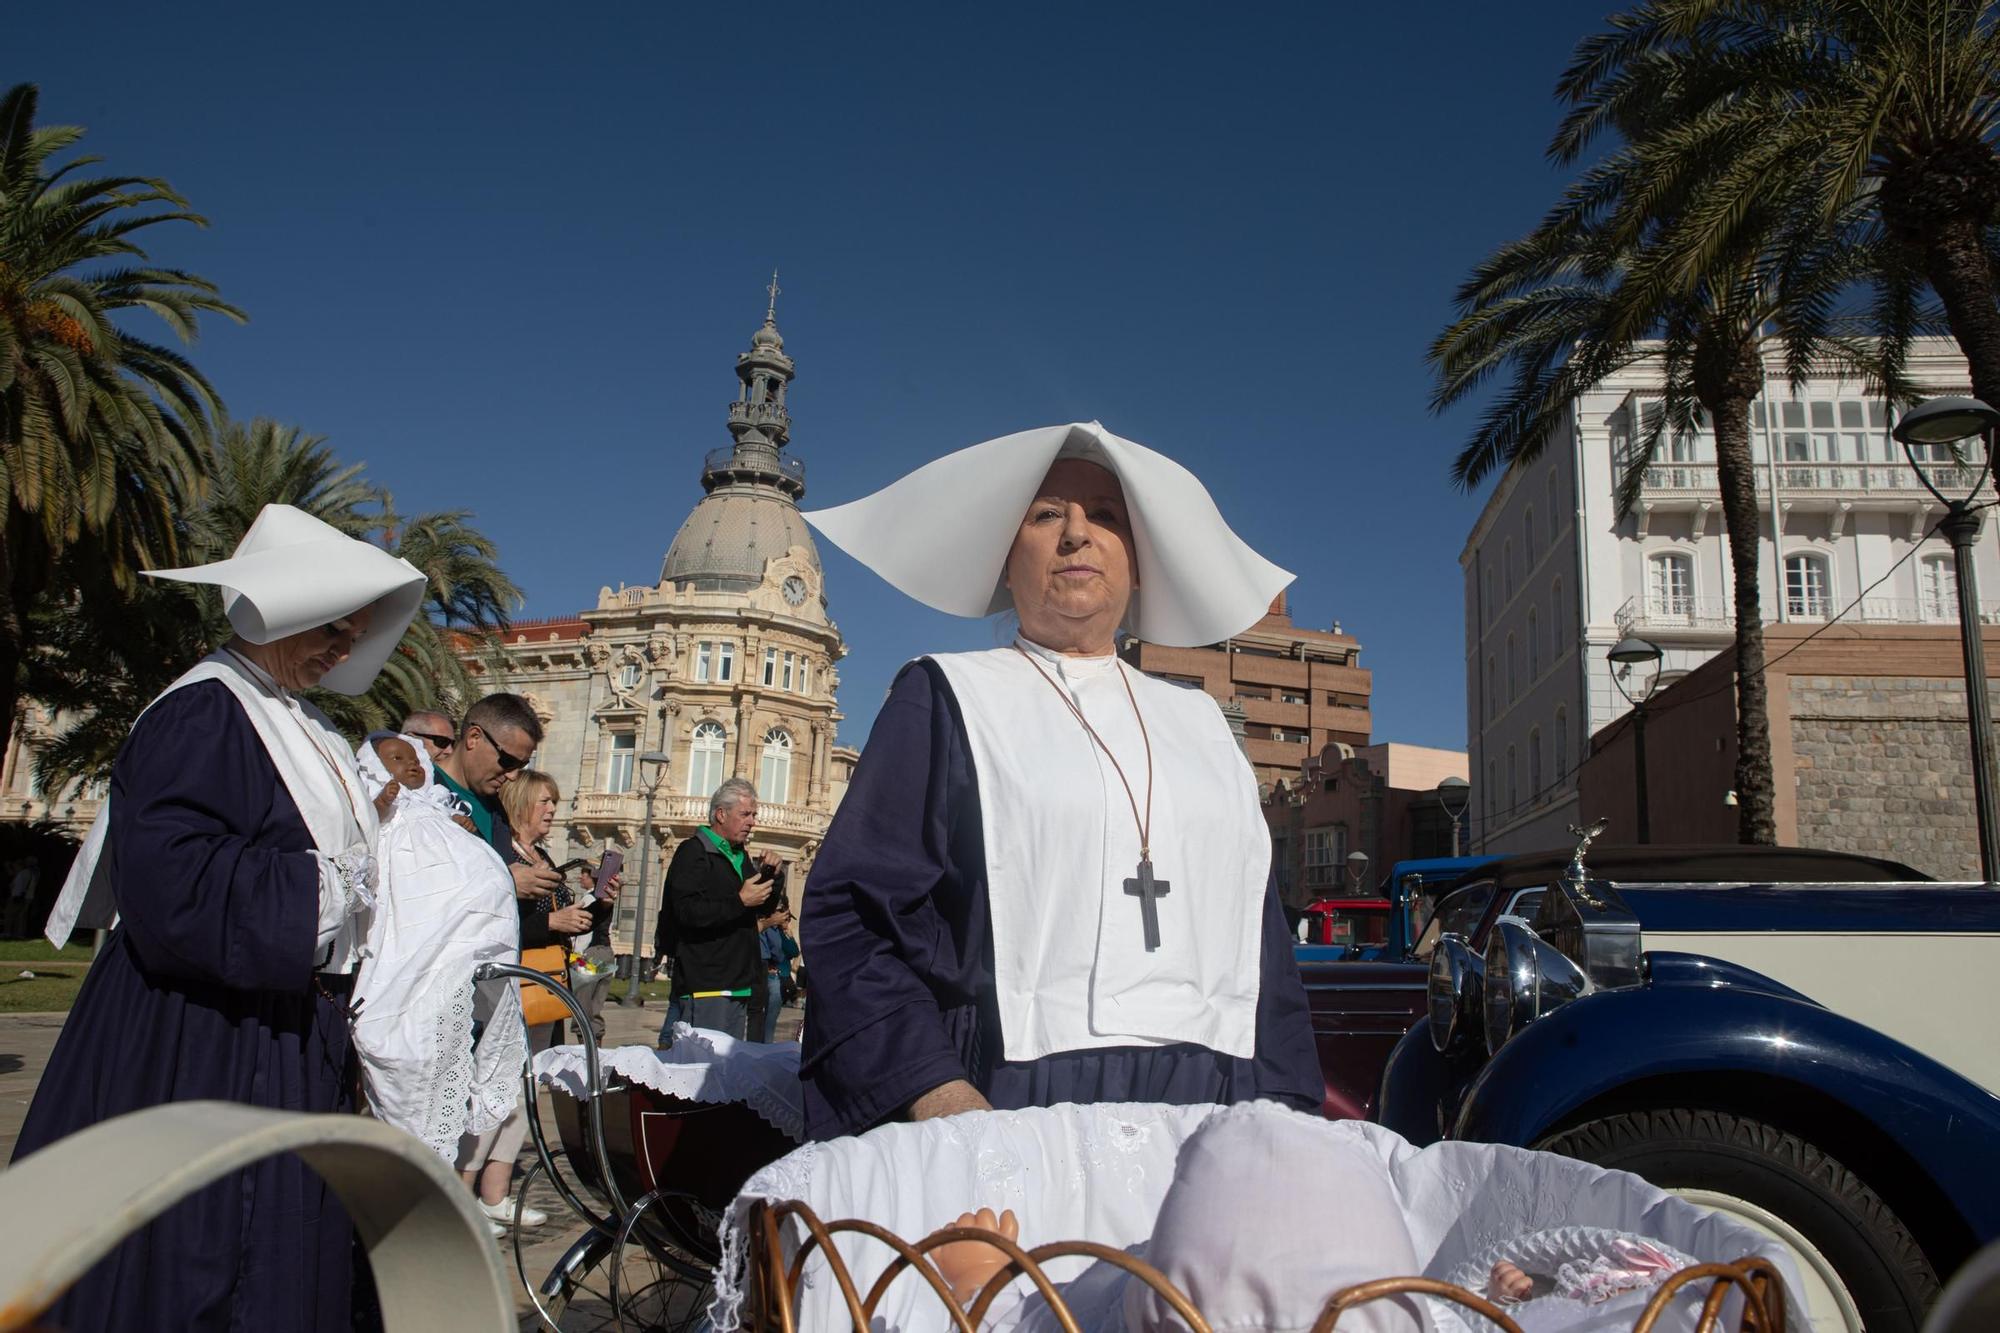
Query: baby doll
point(406, 772)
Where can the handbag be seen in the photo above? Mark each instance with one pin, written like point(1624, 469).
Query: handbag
point(539, 1004)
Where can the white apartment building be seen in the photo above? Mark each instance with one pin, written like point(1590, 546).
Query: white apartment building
point(1553, 577)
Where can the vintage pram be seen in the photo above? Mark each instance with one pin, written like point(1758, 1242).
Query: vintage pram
point(656, 1177)
point(646, 1171)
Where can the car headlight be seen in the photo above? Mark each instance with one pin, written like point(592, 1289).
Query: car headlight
point(1454, 992)
point(1526, 977)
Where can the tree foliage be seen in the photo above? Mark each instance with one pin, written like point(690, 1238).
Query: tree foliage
point(104, 436)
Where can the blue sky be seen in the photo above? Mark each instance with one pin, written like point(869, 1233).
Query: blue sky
point(509, 260)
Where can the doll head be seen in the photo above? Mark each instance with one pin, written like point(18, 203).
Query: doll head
point(399, 758)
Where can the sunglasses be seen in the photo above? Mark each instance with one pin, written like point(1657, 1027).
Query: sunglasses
point(442, 742)
point(508, 763)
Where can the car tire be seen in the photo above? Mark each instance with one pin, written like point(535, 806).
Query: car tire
point(1889, 1280)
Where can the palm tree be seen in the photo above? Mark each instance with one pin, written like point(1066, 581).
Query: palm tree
point(104, 658)
point(1882, 115)
point(1595, 289)
point(103, 435)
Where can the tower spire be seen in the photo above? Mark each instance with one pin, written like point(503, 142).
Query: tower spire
point(758, 419)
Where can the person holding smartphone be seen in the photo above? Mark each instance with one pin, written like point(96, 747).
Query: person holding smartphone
point(715, 893)
point(555, 917)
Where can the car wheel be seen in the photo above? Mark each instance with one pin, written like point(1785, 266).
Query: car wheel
point(1862, 1268)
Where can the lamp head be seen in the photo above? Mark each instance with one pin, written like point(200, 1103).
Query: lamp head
point(1945, 421)
point(1634, 651)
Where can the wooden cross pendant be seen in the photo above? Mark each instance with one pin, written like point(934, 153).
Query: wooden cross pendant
point(1148, 891)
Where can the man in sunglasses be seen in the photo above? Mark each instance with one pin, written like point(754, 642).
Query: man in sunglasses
point(433, 728)
point(497, 738)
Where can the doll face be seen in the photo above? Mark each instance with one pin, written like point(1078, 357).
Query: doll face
point(400, 758)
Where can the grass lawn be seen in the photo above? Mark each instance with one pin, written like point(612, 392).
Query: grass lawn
point(41, 994)
point(39, 950)
point(652, 991)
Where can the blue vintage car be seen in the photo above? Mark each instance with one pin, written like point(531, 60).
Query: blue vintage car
point(1817, 1059)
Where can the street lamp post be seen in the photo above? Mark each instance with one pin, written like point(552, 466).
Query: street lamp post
point(652, 771)
point(1946, 421)
point(1357, 866)
point(1627, 653)
point(1455, 796)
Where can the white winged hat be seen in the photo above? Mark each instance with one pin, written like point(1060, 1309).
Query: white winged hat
point(942, 534)
point(292, 572)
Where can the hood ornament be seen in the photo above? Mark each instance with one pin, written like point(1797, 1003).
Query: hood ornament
point(1585, 835)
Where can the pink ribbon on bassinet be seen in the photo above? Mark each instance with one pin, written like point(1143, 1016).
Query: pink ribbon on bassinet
point(1631, 1263)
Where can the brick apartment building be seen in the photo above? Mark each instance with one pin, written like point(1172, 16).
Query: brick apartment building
point(1300, 689)
point(1381, 801)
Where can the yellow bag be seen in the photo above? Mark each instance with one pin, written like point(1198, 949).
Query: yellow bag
point(539, 1004)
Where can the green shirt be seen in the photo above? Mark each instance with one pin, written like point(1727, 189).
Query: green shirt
point(481, 812)
point(721, 844)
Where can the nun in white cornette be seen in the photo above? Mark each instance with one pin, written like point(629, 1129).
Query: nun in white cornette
point(1049, 880)
point(235, 851)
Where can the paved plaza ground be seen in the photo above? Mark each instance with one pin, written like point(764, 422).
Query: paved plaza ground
point(27, 1039)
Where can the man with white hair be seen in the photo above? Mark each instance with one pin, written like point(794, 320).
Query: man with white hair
point(433, 728)
point(709, 922)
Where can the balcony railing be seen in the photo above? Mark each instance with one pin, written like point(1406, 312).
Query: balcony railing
point(1705, 613)
point(630, 808)
point(760, 414)
point(751, 464)
point(1812, 478)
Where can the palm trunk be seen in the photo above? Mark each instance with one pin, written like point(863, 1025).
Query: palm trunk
point(1756, 811)
point(1955, 261)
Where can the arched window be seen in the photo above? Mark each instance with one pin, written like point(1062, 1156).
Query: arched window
point(1492, 785)
point(1489, 592)
point(628, 676)
point(1670, 586)
point(1513, 656)
point(1528, 529)
point(1492, 699)
point(1513, 784)
point(774, 770)
point(1808, 588)
point(1534, 649)
point(1556, 618)
point(1937, 587)
point(1562, 744)
point(1535, 764)
point(1506, 572)
point(704, 767)
point(1555, 504)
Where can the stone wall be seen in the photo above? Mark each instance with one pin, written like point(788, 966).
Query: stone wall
point(1883, 767)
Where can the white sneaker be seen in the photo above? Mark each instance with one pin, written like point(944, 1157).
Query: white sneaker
point(503, 1213)
point(494, 1229)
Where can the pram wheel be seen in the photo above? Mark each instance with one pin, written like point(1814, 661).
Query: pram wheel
point(644, 1289)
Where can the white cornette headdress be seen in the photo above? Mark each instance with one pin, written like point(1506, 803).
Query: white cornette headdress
point(942, 533)
point(291, 572)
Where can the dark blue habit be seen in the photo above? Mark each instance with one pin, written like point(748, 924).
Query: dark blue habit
point(899, 955)
point(205, 991)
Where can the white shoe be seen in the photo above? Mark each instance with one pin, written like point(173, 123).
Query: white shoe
point(503, 1213)
point(494, 1229)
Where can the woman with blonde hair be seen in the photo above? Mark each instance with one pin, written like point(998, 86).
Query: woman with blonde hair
point(486, 1162)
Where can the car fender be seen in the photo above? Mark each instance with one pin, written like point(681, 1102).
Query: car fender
point(1588, 1049)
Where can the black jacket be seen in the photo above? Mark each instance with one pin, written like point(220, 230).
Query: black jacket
point(705, 928)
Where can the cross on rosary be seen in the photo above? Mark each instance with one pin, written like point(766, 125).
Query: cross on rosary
point(1148, 891)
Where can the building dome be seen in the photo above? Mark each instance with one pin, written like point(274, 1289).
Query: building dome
point(768, 336)
point(727, 538)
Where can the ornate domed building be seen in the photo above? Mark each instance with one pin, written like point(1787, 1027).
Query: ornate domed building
point(726, 666)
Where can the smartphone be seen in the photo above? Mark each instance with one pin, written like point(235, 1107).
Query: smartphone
point(613, 862)
point(568, 866)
